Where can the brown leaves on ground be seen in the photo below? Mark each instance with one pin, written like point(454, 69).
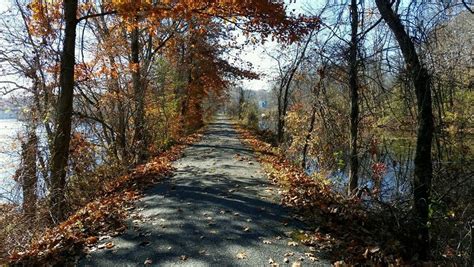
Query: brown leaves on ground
point(342, 222)
point(104, 215)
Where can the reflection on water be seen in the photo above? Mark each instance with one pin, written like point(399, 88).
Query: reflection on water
point(9, 159)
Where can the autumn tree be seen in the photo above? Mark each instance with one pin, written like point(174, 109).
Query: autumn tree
point(29, 57)
point(423, 165)
point(287, 73)
point(62, 136)
point(261, 16)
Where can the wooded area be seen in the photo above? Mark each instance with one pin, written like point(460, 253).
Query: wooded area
point(367, 124)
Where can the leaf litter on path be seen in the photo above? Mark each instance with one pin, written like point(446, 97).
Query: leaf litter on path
point(241, 255)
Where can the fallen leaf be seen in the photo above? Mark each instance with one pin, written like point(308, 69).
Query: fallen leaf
point(104, 237)
point(241, 255)
point(91, 240)
point(366, 253)
point(374, 250)
point(114, 234)
point(292, 244)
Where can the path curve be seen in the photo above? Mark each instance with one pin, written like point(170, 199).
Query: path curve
point(217, 210)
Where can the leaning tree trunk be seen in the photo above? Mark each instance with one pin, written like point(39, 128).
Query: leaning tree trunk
point(62, 136)
point(423, 164)
point(354, 93)
point(285, 87)
point(139, 95)
point(316, 91)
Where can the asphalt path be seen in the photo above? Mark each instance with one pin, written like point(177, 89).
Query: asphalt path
point(218, 209)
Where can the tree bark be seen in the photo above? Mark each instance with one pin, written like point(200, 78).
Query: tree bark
point(60, 151)
point(354, 95)
point(423, 164)
point(241, 102)
point(139, 94)
point(28, 177)
point(308, 137)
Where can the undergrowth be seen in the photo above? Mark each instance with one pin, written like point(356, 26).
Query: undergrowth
point(105, 215)
point(345, 229)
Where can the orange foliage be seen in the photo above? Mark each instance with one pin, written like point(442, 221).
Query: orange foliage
point(266, 17)
point(104, 215)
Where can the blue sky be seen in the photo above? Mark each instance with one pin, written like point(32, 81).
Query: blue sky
point(261, 62)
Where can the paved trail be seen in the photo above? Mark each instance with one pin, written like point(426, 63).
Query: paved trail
point(218, 210)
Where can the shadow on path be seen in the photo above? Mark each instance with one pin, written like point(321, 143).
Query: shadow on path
point(217, 210)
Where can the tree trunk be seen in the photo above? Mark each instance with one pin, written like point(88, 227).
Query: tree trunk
point(316, 92)
point(308, 137)
point(241, 102)
point(119, 105)
point(354, 94)
point(280, 123)
point(139, 94)
point(60, 151)
point(285, 87)
point(28, 177)
point(423, 163)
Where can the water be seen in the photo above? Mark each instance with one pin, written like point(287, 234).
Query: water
point(394, 180)
point(9, 159)
point(395, 152)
